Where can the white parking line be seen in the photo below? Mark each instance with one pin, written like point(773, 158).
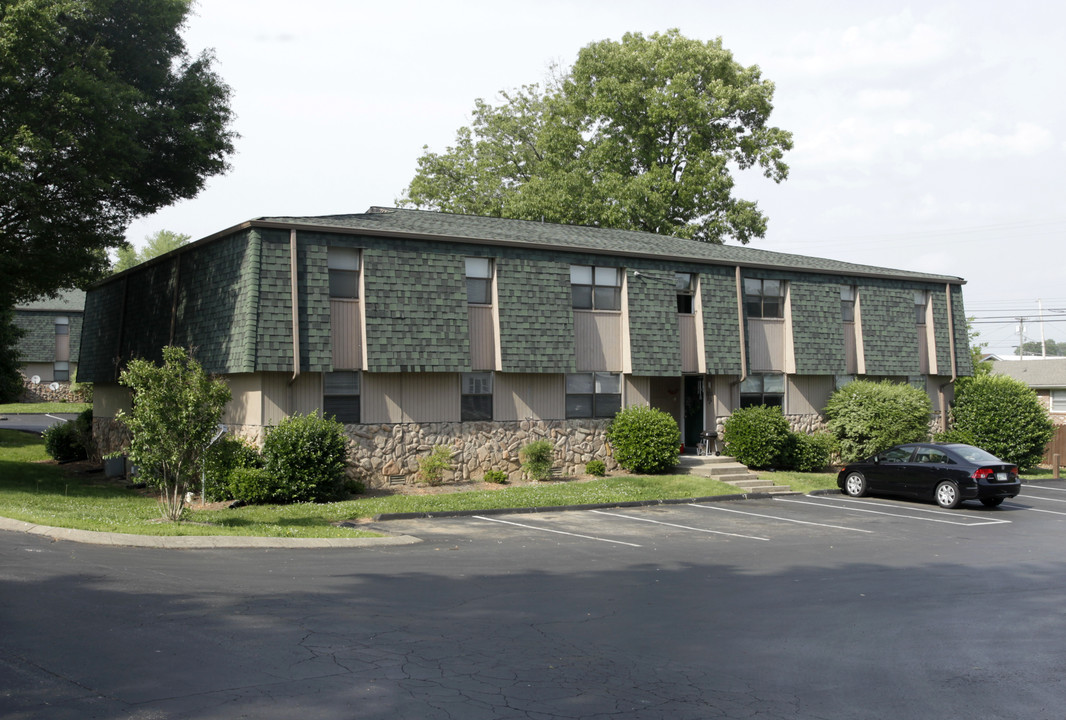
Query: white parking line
point(829, 502)
point(782, 519)
point(1026, 507)
point(1042, 497)
point(1041, 487)
point(549, 530)
point(682, 527)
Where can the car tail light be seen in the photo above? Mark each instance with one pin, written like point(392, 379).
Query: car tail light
point(983, 474)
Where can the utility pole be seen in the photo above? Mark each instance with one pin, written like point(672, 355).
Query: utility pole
point(1021, 338)
point(1043, 342)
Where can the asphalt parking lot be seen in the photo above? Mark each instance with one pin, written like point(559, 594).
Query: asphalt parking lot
point(793, 607)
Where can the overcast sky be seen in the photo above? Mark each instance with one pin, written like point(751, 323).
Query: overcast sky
point(928, 136)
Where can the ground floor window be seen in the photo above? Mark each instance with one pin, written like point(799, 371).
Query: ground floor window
point(593, 395)
point(341, 396)
point(766, 390)
point(476, 401)
point(1058, 401)
point(61, 371)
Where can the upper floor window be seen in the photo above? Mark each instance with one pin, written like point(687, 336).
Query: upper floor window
point(685, 283)
point(768, 390)
point(764, 298)
point(593, 395)
point(596, 288)
point(476, 397)
point(847, 303)
point(479, 281)
point(341, 396)
point(62, 326)
point(343, 264)
point(921, 298)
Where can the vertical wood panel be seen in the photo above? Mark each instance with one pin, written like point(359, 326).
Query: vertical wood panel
point(346, 329)
point(923, 350)
point(766, 342)
point(430, 397)
point(851, 352)
point(482, 338)
point(638, 391)
point(62, 348)
point(808, 394)
point(598, 341)
point(246, 402)
point(519, 396)
point(381, 398)
point(690, 360)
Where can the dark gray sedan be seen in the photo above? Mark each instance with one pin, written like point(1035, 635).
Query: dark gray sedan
point(945, 472)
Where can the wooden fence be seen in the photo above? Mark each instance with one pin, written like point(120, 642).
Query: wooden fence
point(1056, 446)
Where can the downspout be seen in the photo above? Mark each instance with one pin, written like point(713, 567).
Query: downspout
point(294, 289)
point(954, 362)
point(743, 332)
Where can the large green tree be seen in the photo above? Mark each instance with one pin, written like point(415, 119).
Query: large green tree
point(10, 378)
point(640, 134)
point(104, 117)
point(155, 245)
point(1038, 348)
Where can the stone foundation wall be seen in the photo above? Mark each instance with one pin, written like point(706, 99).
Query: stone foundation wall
point(42, 393)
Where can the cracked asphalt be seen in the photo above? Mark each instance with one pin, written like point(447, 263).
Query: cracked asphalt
point(763, 609)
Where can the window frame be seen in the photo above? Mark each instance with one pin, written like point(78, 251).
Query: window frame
point(686, 294)
point(755, 300)
point(483, 282)
point(754, 396)
point(343, 279)
point(602, 295)
point(848, 293)
point(62, 325)
point(471, 403)
point(343, 394)
point(921, 304)
point(1060, 406)
point(602, 395)
point(61, 374)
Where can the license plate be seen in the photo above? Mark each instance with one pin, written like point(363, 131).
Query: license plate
point(1002, 477)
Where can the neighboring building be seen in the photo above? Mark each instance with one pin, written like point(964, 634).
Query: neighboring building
point(49, 349)
point(421, 328)
point(1047, 376)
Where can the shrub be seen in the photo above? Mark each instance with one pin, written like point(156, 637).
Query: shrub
point(867, 417)
point(253, 485)
point(495, 476)
point(62, 442)
point(1003, 416)
point(306, 454)
point(596, 467)
point(431, 468)
point(644, 440)
point(537, 458)
point(83, 426)
point(757, 436)
point(809, 453)
point(229, 453)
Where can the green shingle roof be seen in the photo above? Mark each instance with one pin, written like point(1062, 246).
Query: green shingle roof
point(503, 231)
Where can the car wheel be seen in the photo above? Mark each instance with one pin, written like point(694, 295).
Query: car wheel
point(855, 485)
point(991, 502)
point(947, 495)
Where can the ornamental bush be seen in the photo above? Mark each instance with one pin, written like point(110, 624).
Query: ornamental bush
point(867, 417)
point(254, 486)
point(809, 453)
point(432, 467)
point(644, 440)
point(757, 436)
point(495, 476)
point(596, 468)
point(63, 443)
point(229, 453)
point(537, 458)
point(306, 455)
point(1002, 416)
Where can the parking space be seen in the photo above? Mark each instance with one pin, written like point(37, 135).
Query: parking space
point(757, 522)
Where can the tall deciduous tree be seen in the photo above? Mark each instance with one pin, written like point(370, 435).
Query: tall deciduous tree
point(176, 411)
point(641, 134)
point(10, 378)
point(105, 117)
point(155, 245)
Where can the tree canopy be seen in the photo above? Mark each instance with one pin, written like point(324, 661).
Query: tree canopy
point(106, 117)
point(1038, 348)
point(157, 244)
point(641, 134)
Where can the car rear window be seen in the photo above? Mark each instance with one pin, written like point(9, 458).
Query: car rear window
point(974, 454)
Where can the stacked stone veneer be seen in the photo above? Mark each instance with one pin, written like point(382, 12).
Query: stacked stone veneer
point(41, 392)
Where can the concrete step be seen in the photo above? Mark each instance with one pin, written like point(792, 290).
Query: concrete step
point(728, 470)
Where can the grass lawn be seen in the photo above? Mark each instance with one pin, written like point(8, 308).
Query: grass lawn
point(42, 408)
point(37, 491)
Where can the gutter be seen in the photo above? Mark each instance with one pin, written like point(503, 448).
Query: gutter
point(294, 287)
point(954, 361)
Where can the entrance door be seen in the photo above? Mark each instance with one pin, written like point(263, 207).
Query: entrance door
point(693, 410)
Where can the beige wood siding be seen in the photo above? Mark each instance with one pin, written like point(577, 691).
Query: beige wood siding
point(923, 350)
point(346, 328)
point(726, 390)
point(637, 391)
point(766, 343)
point(598, 341)
point(808, 394)
point(666, 396)
point(275, 395)
point(851, 352)
point(690, 359)
point(382, 398)
point(62, 348)
point(521, 396)
point(482, 338)
point(410, 397)
point(246, 402)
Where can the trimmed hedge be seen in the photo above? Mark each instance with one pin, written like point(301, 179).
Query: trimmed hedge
point(867, 417)
point(644, 440)
point(306, 455)
point(757, 436)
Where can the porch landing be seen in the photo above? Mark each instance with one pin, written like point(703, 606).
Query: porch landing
point(728, 470)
